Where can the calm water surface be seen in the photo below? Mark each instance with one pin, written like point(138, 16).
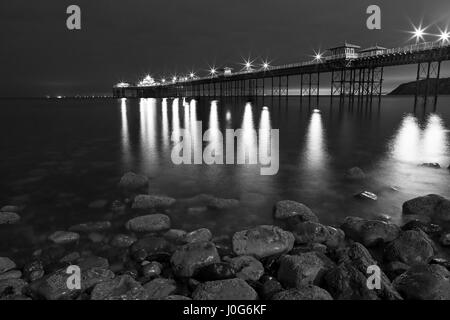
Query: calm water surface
point(57, 156)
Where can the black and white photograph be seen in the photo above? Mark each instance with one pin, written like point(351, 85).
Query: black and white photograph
point(186, 152)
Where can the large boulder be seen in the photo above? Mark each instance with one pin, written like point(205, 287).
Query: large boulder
point(6, 264)
point(160, 288)
point(288, 209)
point(310, 232)
point(199, 235)
point(132, 182)
point(424, 282)
point(231, 289)
point(370, 232)
point(145, 202)
point(247, 268)
point(262, 241)
point(309, 292)
point(149, 223)
point(9, 218)
point(432, 205)
point(411, 247)
point(120, 288)
point(151, 248)
point(301, 270)
point(190, 257)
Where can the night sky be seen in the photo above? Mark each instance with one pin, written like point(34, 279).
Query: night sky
point(124, 40)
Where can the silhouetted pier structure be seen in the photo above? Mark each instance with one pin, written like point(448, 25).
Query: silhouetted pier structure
point(354, 73)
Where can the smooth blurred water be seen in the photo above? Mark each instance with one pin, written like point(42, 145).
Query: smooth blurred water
point(59, 155)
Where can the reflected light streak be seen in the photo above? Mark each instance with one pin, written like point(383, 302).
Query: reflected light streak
point(175, 120)
point(215, 136)
point(406, 144)
point(164, 125)
point(434, 140)
point(264, 132)
point(125, 133)
point(315, 144)
point(147, 110)
point(248, 135)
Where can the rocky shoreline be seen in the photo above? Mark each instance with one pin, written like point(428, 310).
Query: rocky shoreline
point(296, 258)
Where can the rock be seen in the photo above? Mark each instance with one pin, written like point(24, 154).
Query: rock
point(411, 247)
point(149, 223)
point(269, 288)
point(287, 209)
point(9, 218)
point(6, 264)
point(54, 286)
point(160, 288)
point(433, 165)
point(301, 270)
point(64, 237)
point(215, 271)
point(262, 241)
point(247, 268)
point(367, 195)
point(91, 227)
point(370, 232)
point(428, 228)
point(445, 239)
point(425, 205)
point(151, 248)
point(120, 288)
point(190, 257)
point(175, 235)
point(176, 297)
point(70, 258)
point(198, 236)
point(231, 289)
point(98, 204)
point(219, 203)
point(144, 202)
point(310, 232)
point(96, 237)
point(424, 282)
point(336, 238)
point(123, 241)
point(442, 262)
point(10, 208)
point(442, 213)
point(395, 268)
point(11, 287)
point(309, 292)
point(118, 208)
point(12, 274)
point(33, 270)
point(355, 173)
point(132, 182)
point(197, 210)
point(151, 269)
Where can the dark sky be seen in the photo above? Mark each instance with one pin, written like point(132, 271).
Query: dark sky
point(123, 40)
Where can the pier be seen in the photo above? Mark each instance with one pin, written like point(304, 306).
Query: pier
point(354, 72)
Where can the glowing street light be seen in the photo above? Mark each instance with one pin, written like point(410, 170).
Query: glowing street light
point(418, 33)
point(163, 80)
point(444, 36)
point(265, 65)
point(192, 75)
point(318, 56)
point(212, 71)
point(174, 79)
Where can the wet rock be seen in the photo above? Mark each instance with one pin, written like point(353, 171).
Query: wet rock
point(12, 274)
point(433, 165)
point(144, 202)
point(190, 257)
point(151, 269)
point(270, 287)
point(442, 213)
point(176, 297)
point(428, 228)
point(98, 204)
point(6, 264)
point(120, 288)
point(424, 282)
point(197, 210)
point(309, 292)
point(132, 182)
point(91, 227)
point(198, 236)
point(310, 232)
point(11, 287)
point(215, 271)
point(123, 241)
point(175, 235)
point(425, 205)
point(64, 237)
point(367, 195)
point(149, 223)
point(369, 232)
point(395, 268)
point(33, 270)
point(231, 289)
point(287, 209)
point(445, 239)
point(118, 208)
point(220, 203)
point(262, 241)
point(442, 262)
point(71, 257)
point(11, 208)
point(355, 173)
point(411, 247)
point(247, 268)
point(9, 218)
point(304, 269)
point(151, 248)
point(160, 288)
point(96, 237)
point(335, 238)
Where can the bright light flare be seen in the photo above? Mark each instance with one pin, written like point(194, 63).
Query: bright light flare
point(212, 71)
point(418, 33)
point(265, 65)
point(318, 56)
point(192, 75)
point(248, 64)
point(444, 36)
